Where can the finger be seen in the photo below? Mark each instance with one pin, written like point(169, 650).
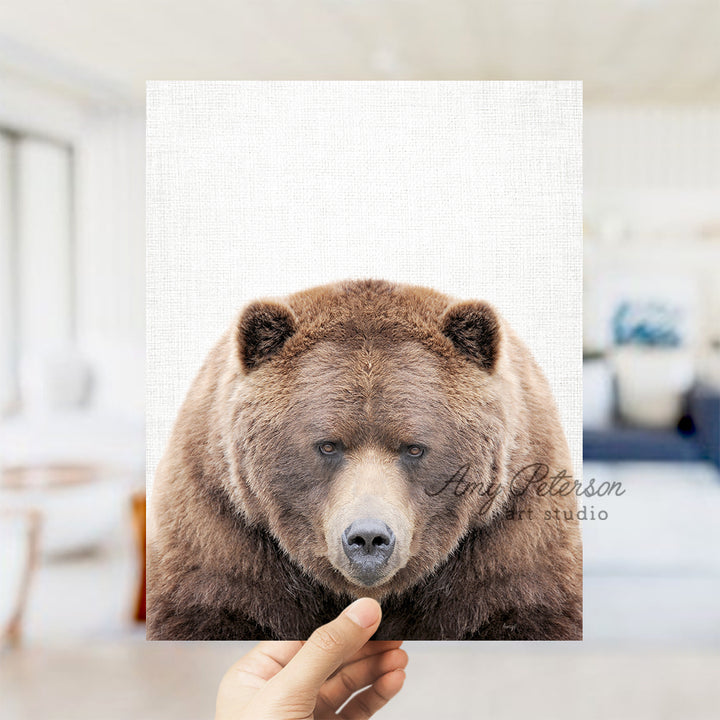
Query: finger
point(351, 678)
point(267, 658)
point(369, 701)
point(263, 662)
point(327, 648)
point(248, 675)
point(373, 647)
point(280, 651)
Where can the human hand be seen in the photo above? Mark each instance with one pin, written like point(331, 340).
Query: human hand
point(311, 680)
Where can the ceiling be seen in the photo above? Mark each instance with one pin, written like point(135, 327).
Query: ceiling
point(624, 50)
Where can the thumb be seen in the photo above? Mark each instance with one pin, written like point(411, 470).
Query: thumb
point(326, 650)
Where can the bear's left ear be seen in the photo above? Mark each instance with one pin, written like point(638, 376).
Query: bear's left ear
point(474, 329)
point(263, 329)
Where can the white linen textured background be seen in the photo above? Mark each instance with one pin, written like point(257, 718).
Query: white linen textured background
point(259, 189)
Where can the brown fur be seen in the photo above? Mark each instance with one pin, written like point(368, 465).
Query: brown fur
point(245, 508)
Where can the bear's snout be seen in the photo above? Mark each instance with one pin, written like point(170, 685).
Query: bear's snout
point(368, 544)
point(368, 521)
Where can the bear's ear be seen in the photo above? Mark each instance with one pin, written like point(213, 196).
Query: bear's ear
point(474, 329)
point(262, 330)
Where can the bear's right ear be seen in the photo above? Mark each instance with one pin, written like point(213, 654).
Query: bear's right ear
point(263, 329)
point(474, 329)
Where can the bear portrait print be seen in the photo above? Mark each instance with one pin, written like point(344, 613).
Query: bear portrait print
point(364, 336)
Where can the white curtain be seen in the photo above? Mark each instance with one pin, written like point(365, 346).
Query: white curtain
point(36, 262)
point(45, 254)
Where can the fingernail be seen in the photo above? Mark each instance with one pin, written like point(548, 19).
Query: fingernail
point(363, 612)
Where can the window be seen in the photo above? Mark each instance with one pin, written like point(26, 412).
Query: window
point(37, 268)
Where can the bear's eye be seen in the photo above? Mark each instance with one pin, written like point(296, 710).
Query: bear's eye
point(327, 448)
point(415, 451)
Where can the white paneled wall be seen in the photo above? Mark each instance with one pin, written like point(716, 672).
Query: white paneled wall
point(657, 147)
point(654, 168)
point(7, 316)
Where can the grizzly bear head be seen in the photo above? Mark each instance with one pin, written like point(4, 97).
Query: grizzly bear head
point(361, 410)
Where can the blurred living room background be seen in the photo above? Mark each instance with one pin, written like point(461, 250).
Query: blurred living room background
point(72, 323)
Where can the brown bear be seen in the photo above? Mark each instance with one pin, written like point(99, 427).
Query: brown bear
point(366, 438)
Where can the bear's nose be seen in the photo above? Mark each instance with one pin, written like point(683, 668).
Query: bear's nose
point(368, 543)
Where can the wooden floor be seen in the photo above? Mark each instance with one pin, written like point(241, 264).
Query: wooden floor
point(123, 681)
